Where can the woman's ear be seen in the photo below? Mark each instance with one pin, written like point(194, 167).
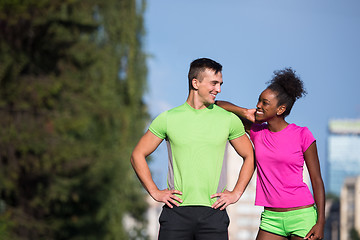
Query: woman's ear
point(281, 109)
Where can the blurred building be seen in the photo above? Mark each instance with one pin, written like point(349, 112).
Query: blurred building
point(153, 214)
point(350, 208)
point(332, 216)
point(343, 154)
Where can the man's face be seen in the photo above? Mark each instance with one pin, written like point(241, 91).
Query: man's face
point(209, 86)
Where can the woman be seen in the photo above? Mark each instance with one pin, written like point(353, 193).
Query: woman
point(290, 210)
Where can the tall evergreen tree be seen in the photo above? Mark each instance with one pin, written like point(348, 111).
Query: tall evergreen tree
point(72, 79)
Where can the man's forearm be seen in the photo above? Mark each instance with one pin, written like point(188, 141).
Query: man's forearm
point(245, 175)
point(143, 173)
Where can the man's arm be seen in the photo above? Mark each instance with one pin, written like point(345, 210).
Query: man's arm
point(147, 144)
point(244, 148)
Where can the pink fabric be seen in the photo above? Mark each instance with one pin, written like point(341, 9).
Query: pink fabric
point(280, 161)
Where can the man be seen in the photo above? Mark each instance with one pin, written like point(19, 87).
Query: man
point(196, 134)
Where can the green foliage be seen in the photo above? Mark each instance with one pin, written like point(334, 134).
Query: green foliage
point(354, 235)
point(72, 78)
point(333, 197)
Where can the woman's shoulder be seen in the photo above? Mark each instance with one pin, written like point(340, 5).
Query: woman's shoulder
point(295, 127)
point(300, 130)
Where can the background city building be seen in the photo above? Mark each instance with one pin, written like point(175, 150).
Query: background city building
point(153, 214)
point(332, 216)
point(343, 167)
point(343, 153)
point(350, 209)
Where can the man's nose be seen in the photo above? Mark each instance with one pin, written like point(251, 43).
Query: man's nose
point(218, 88)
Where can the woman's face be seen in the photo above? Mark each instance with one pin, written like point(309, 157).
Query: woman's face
point(267, 106)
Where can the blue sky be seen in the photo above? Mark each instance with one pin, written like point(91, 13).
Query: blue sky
point(252, 38)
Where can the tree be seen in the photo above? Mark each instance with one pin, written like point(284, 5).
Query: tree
point(72, 78)
point(354, 235)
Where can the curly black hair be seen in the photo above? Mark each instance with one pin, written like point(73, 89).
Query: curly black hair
point(288, 86)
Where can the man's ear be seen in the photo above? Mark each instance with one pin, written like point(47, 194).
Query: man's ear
point(195, 83)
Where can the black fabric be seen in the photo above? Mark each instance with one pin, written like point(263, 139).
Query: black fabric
point(193, 223)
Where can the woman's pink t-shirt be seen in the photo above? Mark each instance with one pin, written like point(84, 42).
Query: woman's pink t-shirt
point(280, 162)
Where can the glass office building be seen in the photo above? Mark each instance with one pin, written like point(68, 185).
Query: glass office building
point(343, 153)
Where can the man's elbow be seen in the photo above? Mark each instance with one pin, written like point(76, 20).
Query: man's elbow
point(133, 158)
point(250, 161)
point(136, 157)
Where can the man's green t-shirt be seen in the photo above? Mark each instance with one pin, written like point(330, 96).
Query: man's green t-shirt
point(196, 141)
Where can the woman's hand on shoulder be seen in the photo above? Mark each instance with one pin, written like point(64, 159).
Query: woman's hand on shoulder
point(250, 114)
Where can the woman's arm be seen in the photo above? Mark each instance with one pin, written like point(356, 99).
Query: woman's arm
point(313, 166)
point(247, 115)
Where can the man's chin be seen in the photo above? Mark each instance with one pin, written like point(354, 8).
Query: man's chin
point(210, 102)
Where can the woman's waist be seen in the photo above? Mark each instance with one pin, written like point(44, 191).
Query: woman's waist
point(287, 209)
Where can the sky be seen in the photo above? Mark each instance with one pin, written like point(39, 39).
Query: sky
point(319, 39)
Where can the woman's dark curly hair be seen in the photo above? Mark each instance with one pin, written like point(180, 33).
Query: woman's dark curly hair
point(288, 87)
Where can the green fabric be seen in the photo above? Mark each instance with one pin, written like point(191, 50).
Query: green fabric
point(292, 223)
point(197, 140)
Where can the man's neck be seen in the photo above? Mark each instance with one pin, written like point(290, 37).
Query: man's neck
point(194, 101)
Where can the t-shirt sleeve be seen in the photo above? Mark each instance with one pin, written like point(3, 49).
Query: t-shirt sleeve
point(159, 125)
point(307, 138)
point(236, 127)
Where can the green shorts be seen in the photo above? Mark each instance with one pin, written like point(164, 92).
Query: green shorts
point(297, 222)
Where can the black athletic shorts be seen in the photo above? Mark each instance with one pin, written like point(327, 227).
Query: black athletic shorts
point(193, 223)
